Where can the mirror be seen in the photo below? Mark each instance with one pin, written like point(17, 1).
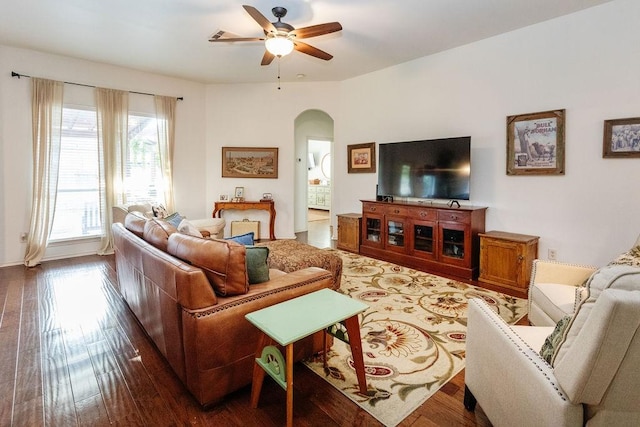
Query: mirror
point(325, 165)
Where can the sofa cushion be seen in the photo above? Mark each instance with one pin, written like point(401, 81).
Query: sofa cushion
point(556, 300)
point(223, 262)
point(157, 232)
point(257, 266)
point(134, 222)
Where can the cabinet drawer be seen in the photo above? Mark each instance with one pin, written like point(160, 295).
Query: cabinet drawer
point(395, 210)
point(423, 214)
point(372, 207)
point(454, 216)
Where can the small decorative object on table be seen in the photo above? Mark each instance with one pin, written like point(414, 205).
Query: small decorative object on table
point(266, 197)
point(238, 195)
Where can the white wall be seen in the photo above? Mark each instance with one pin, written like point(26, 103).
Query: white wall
point(585, 63)
point(246, 115)
point(15, 136)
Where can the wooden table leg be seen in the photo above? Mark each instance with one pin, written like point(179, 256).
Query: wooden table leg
point(258, 372)
point(289, 375)
point(353, 329)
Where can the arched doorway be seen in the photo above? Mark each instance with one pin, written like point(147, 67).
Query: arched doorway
point(315, 126)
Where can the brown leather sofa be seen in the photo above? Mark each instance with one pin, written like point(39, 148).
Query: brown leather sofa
point(203, 335)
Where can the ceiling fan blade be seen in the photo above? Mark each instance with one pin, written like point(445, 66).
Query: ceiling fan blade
point(310, 50)
point(225, 36)
point(316, 30)
point(267, 58)
point(260, 19)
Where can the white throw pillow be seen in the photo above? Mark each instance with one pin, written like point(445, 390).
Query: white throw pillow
point(185, 227)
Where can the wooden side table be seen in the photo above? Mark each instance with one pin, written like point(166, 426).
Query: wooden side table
point(292, 320)
point(264, 205)
point(349, 232)
point(506, 259)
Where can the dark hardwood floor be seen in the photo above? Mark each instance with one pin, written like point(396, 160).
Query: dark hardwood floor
point(71, 353)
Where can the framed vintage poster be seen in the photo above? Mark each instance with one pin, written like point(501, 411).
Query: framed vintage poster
point(621, 138)
point(535, 143)
point(362, 158)
point(247, 162)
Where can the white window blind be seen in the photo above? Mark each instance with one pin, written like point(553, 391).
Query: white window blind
point(77, 212)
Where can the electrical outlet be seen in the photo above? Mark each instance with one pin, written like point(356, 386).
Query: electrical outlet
point(552, 254)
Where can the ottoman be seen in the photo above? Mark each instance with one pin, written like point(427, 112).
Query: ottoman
point(291, 255)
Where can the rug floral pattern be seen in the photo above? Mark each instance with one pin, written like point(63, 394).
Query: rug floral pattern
point(413, 334)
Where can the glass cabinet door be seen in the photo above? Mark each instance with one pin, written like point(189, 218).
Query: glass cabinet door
point(372, 230)
point(423, 238)
point(395, 234)
point(453, 243)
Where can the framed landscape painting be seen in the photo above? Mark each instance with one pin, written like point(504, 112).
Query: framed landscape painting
point(249, 162)
point(621, 138)
point(535, 143)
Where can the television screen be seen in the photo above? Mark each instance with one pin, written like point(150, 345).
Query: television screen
point(429, 169)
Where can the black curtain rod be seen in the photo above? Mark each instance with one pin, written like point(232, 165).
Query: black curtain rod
point(14, 74)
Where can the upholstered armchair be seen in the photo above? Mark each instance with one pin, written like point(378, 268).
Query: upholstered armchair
point(555, 289)
point(591, 376)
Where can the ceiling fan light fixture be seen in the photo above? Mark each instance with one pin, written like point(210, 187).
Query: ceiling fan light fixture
point(279, 46)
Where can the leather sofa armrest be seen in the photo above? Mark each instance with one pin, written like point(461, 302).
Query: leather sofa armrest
point(509, 379)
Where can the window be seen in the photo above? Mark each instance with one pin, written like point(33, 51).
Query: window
point(143, 181)
point(77, 212)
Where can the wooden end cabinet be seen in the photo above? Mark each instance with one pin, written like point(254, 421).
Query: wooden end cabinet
point(429, 237)
point(506, 259)
point(349, 232)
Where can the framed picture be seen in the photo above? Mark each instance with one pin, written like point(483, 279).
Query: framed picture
point(621, 138)
point(362, 158)
point(535, 143)
point(239, 193)
point(246, 162)
point(224, 197)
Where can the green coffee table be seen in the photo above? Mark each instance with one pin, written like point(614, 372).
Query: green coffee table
point(290, 321)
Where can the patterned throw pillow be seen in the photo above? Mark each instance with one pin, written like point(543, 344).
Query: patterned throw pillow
point(159, 211)
point(631, 257)
point(551, 342)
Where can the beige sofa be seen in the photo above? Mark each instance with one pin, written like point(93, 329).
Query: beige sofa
point(208, 227)
point(191, 295)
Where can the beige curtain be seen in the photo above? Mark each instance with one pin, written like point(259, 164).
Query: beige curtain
point(165, 117)
point(112, 107)
point(46, 112)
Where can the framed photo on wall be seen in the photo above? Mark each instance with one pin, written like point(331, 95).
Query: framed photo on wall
point(535, 143)
point(621, 138)
point(362, 158)
point(248, 162)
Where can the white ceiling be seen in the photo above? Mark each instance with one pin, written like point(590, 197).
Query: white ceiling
point(170, 37)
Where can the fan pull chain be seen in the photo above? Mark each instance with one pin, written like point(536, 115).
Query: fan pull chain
point(278, 73)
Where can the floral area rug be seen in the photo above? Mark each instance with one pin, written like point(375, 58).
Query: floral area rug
point(413, 334)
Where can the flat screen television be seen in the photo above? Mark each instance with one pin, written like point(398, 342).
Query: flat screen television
point(428, 169)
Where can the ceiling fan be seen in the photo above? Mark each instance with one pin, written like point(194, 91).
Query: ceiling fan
point(281, 38)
